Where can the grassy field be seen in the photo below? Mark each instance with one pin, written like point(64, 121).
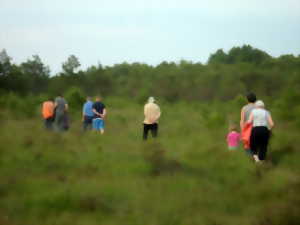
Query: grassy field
point(185, 177)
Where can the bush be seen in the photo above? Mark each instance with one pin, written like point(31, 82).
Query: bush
point(20, 106)
point(285, 106)
point(75, 97)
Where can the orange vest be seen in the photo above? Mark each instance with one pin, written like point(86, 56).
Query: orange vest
point(48, 109)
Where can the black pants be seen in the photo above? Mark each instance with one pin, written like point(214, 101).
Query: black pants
point(87, 123)
point(259, 141)
point(49, 123)
point(153, 128)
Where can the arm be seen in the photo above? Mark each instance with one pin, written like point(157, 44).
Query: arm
point(145, 110)
point(83, 113)
point(159, 113)
point(227, 137)
point(271, 122)
point(42, 109)
point(104, 113)
point(96, 113)
point(242, 118)
point(66, 107)
point(250, 118)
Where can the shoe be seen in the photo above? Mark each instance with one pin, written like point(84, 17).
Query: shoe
point(256, 159)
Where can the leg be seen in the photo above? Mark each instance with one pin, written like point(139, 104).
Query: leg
point(48, 124)
point(87, 123)
point(154, 130)
point(264, 144)
point(97, 124)
point(59, 121)
point(248, 152)
point(66, 122)
point(145, 133)
point(101, 126)
point(94, 124)
point(254, 143)
point(84, 123)
point(90, 125)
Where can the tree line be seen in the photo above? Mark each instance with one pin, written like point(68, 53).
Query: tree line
point(223, 77)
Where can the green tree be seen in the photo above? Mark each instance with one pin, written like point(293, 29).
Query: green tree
point(35, 67)
point(218, 57)
point(36, 74)
point(5, 63)
point(71, 65)
point(247, 53)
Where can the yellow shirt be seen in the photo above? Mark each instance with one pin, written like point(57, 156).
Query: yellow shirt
point(152, 113)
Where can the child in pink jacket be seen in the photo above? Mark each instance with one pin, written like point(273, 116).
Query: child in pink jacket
point(233, 138)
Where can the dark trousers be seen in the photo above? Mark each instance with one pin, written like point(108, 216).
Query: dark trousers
point(259, 141)
point(150, 127)
point(49, 123)
point(62, 121)
point(87, 122)
point(59, 120)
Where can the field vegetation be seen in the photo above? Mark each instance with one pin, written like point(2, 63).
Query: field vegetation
point(184, 177)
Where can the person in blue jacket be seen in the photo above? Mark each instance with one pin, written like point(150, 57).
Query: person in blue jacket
point(87, 114)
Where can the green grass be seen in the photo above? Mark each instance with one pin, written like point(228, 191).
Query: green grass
point(185, 177)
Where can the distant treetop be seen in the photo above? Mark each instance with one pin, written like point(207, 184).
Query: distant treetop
point(246, 53)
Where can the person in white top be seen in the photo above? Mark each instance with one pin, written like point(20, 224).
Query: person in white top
point(152, 114)
point(262, 124)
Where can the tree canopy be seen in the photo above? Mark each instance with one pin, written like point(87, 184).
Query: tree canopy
point(225, 76)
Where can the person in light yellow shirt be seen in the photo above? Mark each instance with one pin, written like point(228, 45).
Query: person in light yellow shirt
point(152, 114)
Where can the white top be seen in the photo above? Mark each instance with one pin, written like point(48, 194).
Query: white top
point(260, 117)
point(152, 113)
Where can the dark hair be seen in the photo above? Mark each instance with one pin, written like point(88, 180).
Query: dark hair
point(232, 127)
point(251, 97)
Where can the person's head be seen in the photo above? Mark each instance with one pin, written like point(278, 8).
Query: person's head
point(60, 95)
point(51, 99)
point(251, 97)
point(151, 99)
point(88, 98)
point(260, 104)
point(232, 127)
point(98, 98)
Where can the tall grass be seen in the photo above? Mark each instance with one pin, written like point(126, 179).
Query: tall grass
point(184, 177)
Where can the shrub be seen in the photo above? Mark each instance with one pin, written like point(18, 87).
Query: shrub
point(75, 97)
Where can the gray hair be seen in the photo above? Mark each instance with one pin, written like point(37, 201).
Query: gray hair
point(260, 103)
point(151, 99)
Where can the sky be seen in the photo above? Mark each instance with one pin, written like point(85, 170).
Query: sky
point(146, 31)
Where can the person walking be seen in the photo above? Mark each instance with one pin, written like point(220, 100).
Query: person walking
point(246, 128)
point(87, 114)
point(262, 122)
point(99, 111)
point(61, 108)
point(152, 114)
point(233, 138)
point(48, 113)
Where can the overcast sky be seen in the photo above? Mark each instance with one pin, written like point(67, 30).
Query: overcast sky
point(150, 31)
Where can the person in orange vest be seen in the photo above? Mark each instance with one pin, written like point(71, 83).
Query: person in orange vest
point(48, 113)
